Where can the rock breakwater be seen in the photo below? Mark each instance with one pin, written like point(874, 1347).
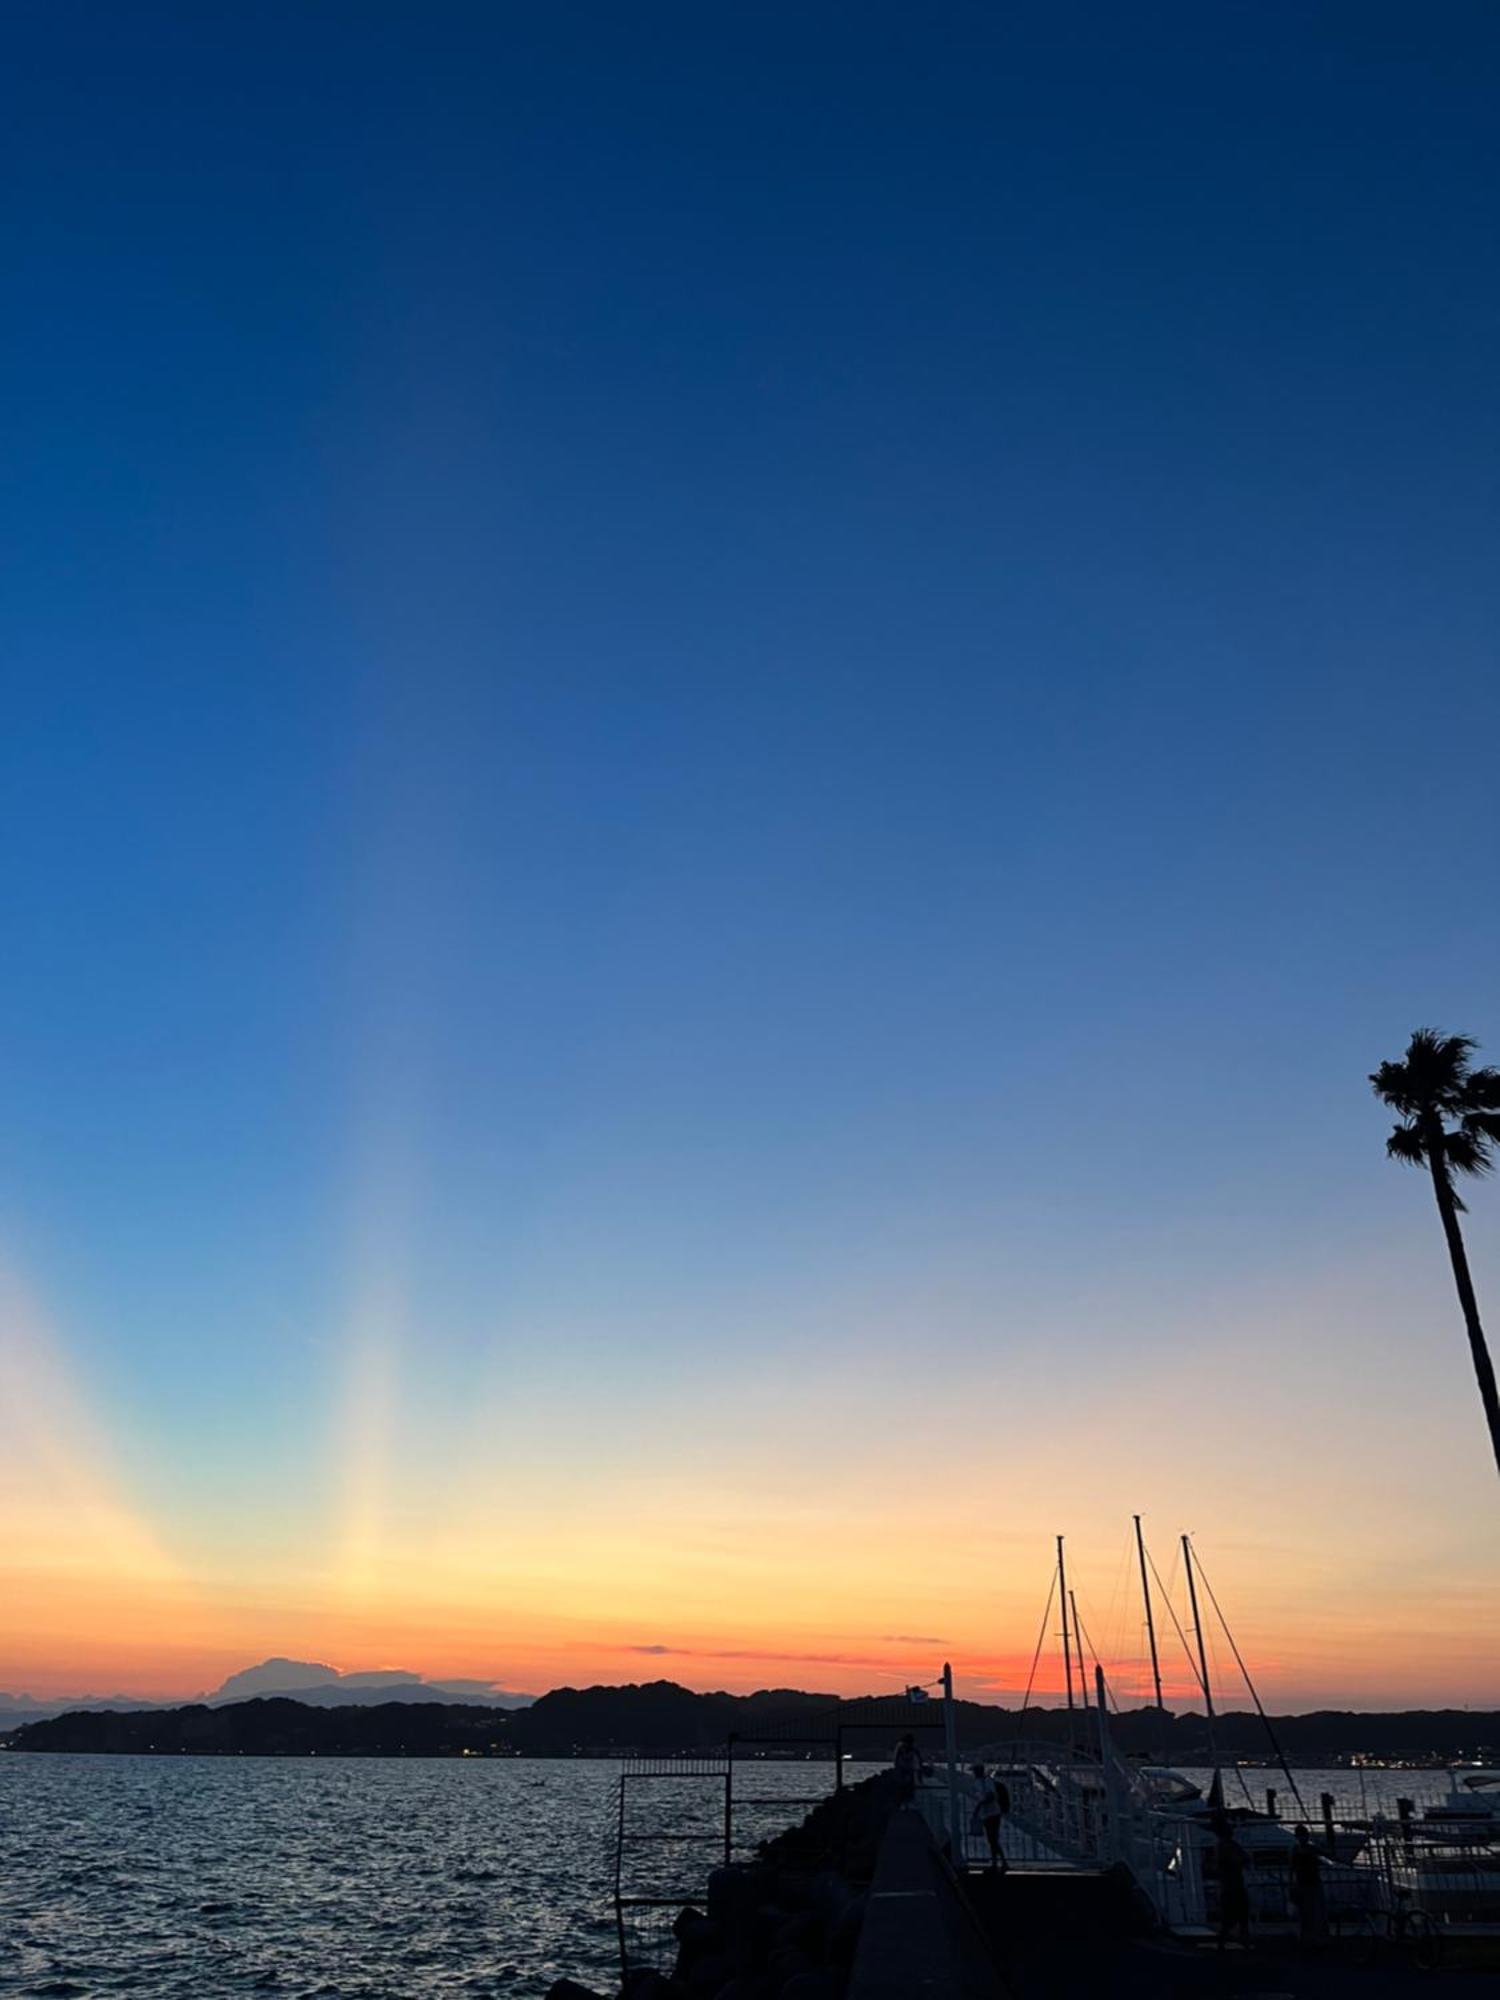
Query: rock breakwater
point(784, 1926)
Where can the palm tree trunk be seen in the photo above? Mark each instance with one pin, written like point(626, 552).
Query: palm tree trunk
point(1484, 1368)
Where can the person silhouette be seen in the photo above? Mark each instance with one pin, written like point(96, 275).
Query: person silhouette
point(908, 1767)
point(1307, 1888)
point(1234, 1895)
point(992, 1803)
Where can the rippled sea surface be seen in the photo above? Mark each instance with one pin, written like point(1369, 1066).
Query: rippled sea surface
point(204, 1876)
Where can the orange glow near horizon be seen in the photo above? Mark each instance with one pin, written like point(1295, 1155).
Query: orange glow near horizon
point(779, 1555)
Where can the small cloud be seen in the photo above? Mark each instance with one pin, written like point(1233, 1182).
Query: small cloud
point(759, 1653)
point(913, 1639)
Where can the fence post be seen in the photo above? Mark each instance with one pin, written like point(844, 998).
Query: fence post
point(1325, 1800)
point(1112, 1842)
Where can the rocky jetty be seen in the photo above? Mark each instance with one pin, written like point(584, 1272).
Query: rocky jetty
point(782, 1927)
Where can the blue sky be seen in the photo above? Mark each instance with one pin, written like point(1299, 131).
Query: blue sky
point(693, 679)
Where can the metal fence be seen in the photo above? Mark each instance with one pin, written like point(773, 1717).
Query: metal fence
point(1068, 1810)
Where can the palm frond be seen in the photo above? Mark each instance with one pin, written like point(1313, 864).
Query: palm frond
point(1406, 1144)
point(1391, 1083)
point(1468, 1152)
point(1483, 1126)
point(1433, 1079)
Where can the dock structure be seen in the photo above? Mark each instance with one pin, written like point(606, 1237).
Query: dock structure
point(920, 1934)
point(677, 1814)
point(1072, 1815)
point(888, 1887)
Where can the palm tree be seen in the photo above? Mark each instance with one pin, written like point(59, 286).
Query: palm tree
point(1449, 1123)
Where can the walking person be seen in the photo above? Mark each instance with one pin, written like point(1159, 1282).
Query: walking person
point(992, 1803)
point(1307, 1889)
point(907, 1766)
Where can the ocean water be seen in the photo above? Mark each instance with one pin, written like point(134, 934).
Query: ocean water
point(203, 1876)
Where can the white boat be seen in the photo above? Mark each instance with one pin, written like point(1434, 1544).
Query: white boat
point(1466, 1813)
point(1266, 1841)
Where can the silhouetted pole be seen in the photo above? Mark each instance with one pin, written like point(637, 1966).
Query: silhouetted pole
point(1114, 1814)
point(1208, 1700)
point(1083, 1671)
point(950, 1747)
point(1062, 1591)
point(1140, 1549)
point(728, 1799)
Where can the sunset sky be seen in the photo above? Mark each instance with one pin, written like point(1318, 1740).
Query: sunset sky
point(728, 732)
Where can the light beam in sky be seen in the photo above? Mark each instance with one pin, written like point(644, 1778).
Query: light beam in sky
point(85, 1572)
point(371, 1362)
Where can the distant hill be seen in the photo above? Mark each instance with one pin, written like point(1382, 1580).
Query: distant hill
point(308, 1681)
point(661, 1716)
point(275, 1726)
point(18, 1709)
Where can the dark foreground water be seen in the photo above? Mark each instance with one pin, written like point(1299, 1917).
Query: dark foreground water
point(201, 1876)
point(204, 1876)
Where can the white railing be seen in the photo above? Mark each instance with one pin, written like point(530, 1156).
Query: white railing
point(1069, 1810)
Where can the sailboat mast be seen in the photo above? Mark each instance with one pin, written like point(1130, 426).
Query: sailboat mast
point(1062, 1591)
point(1083, 1672)
point(1140, 1549)
point(1208, 1699)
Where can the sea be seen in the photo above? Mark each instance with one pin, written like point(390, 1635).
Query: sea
point(334, 1877)
point(337, 1878)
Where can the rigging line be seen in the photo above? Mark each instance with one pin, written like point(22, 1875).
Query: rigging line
point(1041, 1640)
point(1176, 1622)
point(1218, 1674)
point(1254, 1695)
point(1118, 1633)
point(1111, 1626)
point(1239, 1772)
point(1172, 1572)
point(1084, 1635)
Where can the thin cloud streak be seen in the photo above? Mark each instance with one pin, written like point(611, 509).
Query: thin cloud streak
point(761, 1653)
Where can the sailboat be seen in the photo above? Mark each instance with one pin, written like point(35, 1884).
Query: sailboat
point(1265, 1839)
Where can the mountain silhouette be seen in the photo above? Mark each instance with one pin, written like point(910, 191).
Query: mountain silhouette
point(318, 1685)
point(661, 1716)
point(274, 1676)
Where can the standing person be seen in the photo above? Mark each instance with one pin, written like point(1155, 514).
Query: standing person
point(908, 1768)
point(1307, 1889)
point(1234, 1896)
point(992, 1803)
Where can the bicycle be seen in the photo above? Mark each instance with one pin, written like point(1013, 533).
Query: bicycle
point(1399, 1929)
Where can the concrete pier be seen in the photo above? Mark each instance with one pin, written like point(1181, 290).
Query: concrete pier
point(919, 1936)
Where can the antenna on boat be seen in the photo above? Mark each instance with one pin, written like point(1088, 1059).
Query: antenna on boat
point(1140, 1549)
point(1208, 1699)
point(1062, 1591)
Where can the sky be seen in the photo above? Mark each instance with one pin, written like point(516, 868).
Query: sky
point(727, 734)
